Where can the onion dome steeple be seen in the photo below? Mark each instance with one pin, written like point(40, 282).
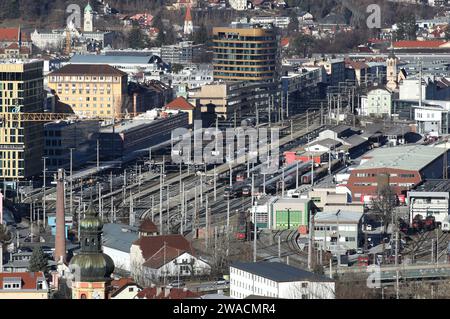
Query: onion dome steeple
point(91, 263)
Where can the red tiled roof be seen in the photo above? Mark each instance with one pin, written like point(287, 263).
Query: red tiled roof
point(162, 257)
point(151, 245)
point(147, 226)
point(357, 65)
point(88, 69)
point(284, 42)
point(9, 34)
point(180, 103)
point(14, 45)
point(175, 293)
point(418, 44)
point(118, 285)
point(29, 279)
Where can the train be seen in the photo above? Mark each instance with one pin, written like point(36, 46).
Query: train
point(245, 228)
point(418, 225)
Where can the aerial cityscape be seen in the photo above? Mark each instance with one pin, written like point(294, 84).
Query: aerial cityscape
point(224, 150)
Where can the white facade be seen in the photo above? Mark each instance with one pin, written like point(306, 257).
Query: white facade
point(88, 19)
point(184, 265)
point(238, 4)
point(379, 102)
point(48, 40)
point(279, 22)
point(409, 89)
point(128, 292)
point(244, 284)
point(429, 119)
point(121, 258)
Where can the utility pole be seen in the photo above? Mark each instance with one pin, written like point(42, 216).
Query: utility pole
point(44, 194)
point(310, 240)
point(279, 248)
point(168, 209)
point(296, 180)
point(215, 184)
point(70, 184)
point(98, 155)
point(100, 200)
point(255, 234)
point(207, 225)
point(160, 202)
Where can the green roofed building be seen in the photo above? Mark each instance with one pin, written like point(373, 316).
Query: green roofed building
point(291, 213)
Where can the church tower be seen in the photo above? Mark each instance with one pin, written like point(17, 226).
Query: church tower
point(88, 19)
point(391, 71)
point(91, 268)
point(188, 25)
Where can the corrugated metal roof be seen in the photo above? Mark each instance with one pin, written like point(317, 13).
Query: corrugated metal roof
point(278, 272)
point(344, 216)
point(114, 236)
point(109, 59)
point(410, 157)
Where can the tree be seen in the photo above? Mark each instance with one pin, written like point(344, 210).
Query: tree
point(38, 260)
point(293, 23)
point(136, 38)
point(302, 44)
point(201, 35)
point(447, 32)
point(383, 205)
point(176, 68)
point(406, 27)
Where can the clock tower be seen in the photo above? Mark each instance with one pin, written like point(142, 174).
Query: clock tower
point(91, 269)
point(88, 19)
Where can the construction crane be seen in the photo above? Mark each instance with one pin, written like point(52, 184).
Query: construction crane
point(50, 117)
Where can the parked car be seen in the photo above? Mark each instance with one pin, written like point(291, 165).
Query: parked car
point(369, 227)
point(176, 284)
point(359, 251)
point(221, 281)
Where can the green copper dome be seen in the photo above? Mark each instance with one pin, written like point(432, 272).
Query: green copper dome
point(92, 267)
point(91, 222)
point(91, 264)
point(88, 8)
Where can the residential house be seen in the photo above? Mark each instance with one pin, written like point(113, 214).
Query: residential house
point(23, 285)
point(157, 257)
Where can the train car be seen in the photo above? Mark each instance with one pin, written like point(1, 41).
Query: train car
point(306, 178)
point(418, 223)
point(234, 191)
point(241, 176)
point(430, 223)
point(244, 227)
point(247, 191)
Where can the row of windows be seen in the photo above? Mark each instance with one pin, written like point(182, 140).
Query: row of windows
point(84, 78)
point(244, 75)
point(405, 175)
point(83, 92)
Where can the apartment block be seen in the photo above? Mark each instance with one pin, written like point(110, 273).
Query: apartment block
point(91, 90)
point(21, 142)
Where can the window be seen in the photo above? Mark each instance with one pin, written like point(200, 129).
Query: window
point(131, 289)
point(304, 285)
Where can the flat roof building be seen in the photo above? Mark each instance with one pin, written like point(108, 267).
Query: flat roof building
point(278, 280)
point(401, 167)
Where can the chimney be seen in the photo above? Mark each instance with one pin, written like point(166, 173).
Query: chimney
point(158, 290)
point(60, 240)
